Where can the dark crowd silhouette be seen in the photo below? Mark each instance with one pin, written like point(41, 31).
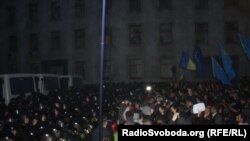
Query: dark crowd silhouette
point(72, 115)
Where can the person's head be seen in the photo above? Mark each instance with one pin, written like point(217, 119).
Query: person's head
point(24, 119)
point(137, 106)
point(240, 118)
point(147, 121)
point(104, 123)
point(43, 117)
point(214, 109)
point(160, 121)
point(13, 130)
point(188, 103)
point(174, 108)
point(34, 121)
point(55, 112)
point(129, 117)
point(207, 110)
point(161, 109)
point(189, 91)
point(220, 108)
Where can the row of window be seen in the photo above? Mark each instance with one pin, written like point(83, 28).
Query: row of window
point(55, 11)
point(135, 69)
point(55, 41)
point(135, 36)
point(79, 8)
point(166, 33)
point(136, 5)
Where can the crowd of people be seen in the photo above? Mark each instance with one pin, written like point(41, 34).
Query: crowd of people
point(73, 114)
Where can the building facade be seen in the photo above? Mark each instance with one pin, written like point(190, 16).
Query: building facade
point(144, 39)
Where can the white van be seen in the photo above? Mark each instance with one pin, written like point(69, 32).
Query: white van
point(70, 81)
point(46, 82)
point(13, 85)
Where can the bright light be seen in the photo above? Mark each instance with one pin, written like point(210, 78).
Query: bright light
point(148, 88)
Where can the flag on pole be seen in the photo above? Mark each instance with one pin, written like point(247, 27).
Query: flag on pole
point(219, 73)
point(186, 62)
point(199, 60)
point(227, 63)
point(245, 43)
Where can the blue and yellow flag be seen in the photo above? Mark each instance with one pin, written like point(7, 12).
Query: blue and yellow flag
point(186, 62)
point(199, 60)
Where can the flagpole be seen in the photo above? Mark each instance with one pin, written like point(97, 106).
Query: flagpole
point(101, 69)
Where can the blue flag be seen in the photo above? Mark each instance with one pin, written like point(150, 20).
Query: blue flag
point(199, 60)
point(245, 43)
point(186, 62)
point(227, 63)
point(219, 73)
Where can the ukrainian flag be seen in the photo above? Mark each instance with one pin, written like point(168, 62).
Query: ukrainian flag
point(199, 61)
point(186, 62)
